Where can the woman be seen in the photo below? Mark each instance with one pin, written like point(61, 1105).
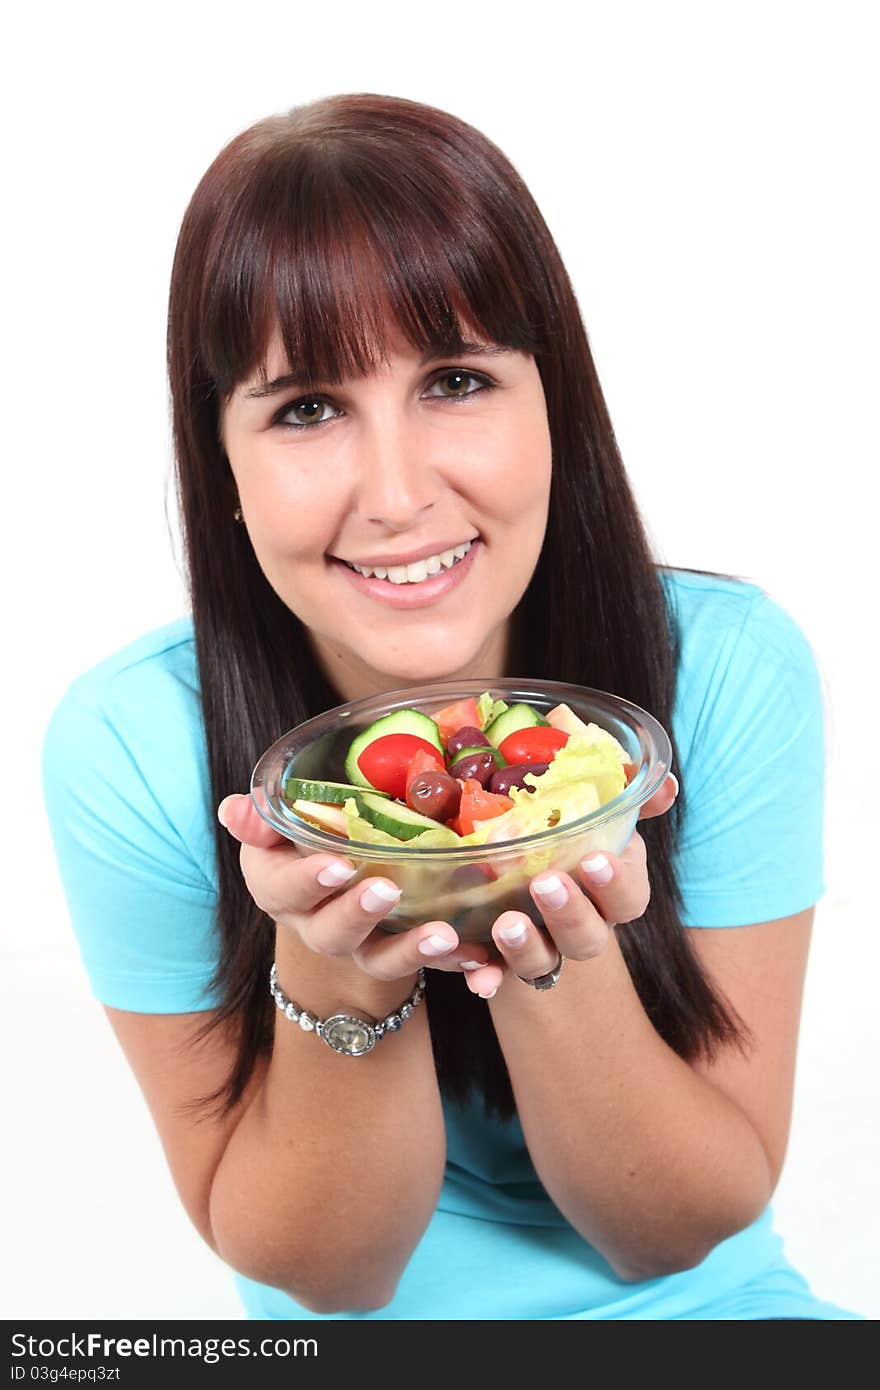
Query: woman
point(375, 356)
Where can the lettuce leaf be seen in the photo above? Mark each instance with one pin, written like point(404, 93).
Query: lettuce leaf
point(489, 709)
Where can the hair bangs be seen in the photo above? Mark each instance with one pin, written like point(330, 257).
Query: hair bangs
point(335, 260)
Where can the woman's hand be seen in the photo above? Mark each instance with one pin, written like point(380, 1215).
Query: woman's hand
point(578, 916)
point(295, 889)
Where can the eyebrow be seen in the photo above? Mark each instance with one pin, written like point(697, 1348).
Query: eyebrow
point(291, 379)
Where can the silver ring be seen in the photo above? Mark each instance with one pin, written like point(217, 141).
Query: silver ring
point(547, 981)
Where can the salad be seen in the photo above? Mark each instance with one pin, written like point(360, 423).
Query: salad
point(476, 772)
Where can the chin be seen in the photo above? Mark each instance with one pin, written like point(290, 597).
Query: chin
point(428, 662)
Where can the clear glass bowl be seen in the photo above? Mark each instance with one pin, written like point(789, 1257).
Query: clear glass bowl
point(467, 887)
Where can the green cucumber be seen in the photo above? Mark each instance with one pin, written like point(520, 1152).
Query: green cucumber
point(511, 721)
point(393, 817)
point(402, 721)
point(500, 760)
point(305, 789)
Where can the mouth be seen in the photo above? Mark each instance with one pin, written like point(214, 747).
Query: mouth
point(417, 571)
point(414, 586)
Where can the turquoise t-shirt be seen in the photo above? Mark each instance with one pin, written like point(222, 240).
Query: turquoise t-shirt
point(131, 815)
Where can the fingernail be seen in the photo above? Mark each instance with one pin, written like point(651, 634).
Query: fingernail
point(471, 964)
point(491, 994)
point(221, 810)
point(598, 869)
point(377, 896)
point(552, 890)
point(675, 780)
point(436, 946)
point(514, 935)
point(334, 874)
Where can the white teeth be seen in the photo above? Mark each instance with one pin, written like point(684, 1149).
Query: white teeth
point(420, 569)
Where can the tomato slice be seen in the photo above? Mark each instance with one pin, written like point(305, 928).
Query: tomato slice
point(453, 717)
point(385, 761)
point(535, 744)
point(478, 804)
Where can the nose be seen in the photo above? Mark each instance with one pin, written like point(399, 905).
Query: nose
point(396, 479)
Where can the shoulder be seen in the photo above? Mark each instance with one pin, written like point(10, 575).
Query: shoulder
point(732, 631)
point(145, 687)
point(161, 662)
point(128, 736)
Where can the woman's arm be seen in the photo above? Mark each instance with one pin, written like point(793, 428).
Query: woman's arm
point(324, 1179)
point(652, 1160)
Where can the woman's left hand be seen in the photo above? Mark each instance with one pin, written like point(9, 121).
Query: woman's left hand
point(578, 916)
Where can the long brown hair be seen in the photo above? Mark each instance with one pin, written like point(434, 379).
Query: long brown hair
point(332, 220)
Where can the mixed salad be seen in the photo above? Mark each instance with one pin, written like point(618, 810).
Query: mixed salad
point(478, 771)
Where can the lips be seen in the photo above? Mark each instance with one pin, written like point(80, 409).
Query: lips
point(410, 557)
point(411, 595)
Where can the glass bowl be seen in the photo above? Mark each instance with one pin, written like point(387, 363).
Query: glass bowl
point(472, 886)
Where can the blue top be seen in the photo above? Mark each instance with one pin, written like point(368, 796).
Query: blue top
point(131, 814)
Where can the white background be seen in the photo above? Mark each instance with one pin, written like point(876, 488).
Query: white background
point(708, 171)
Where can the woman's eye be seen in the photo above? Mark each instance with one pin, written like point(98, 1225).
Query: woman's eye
point(459, 376)
point(311, 406)
point(308, 411)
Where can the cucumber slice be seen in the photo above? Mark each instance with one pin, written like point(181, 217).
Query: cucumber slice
point(392, 816)
point(302, 789)
point(511, 721)
point(402, 721)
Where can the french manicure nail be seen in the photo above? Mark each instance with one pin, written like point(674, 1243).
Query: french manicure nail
point(491, 994)
point(222, 809)
point(436, 946)
point(598, 869)
point(378, 896)
point(552, 890)
point(514, 935)
point(334, 874)
point(470, 965)
point(675, 780)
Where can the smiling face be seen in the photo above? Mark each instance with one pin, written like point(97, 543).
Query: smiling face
point(413, 460)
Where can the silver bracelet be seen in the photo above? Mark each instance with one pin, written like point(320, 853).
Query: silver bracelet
point(346, 1033)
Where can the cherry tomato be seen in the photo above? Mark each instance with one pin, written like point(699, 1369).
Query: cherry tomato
point(384, 762)
point(535, 744)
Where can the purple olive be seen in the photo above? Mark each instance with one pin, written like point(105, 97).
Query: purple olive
point(435, 794)
point(465, 737)
point(480, 766)
point(507, 777)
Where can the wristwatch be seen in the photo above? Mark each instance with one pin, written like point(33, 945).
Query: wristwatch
point(547, 981)
point(346, 1033)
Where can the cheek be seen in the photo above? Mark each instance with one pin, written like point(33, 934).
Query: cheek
point(518, 476)
point(290, 507)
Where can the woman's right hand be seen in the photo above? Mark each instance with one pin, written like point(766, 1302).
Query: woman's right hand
point(286, 883)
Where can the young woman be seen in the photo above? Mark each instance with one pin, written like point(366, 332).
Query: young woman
point(375, 357)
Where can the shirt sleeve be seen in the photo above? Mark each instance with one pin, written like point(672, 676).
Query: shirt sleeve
point(754, 777)
point(140, 905)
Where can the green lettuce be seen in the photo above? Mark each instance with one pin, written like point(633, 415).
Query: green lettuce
point(489, 709)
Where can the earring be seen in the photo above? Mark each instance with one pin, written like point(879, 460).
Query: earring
point(236, 515)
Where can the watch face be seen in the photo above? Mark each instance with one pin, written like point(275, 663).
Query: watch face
point(351, 1036)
